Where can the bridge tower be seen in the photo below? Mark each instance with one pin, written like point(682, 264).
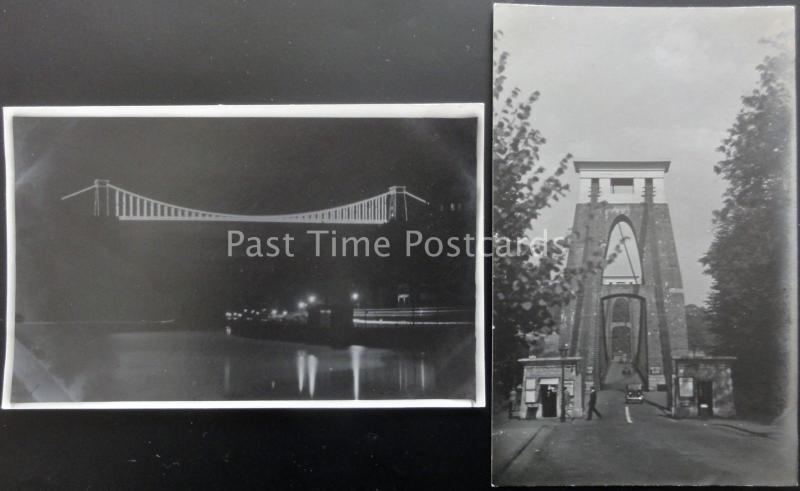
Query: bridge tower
point(398, 209)
point(102, 198)
point(629, 322)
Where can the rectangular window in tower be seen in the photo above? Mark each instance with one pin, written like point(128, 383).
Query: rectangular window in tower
point(622, 185)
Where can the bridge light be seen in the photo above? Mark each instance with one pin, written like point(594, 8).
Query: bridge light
point(312, 298)
point(301, 305)
point(354, 296)
point(284, 312)
point(273, 312)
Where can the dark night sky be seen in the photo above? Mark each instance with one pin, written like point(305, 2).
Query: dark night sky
point(244, 165)
point(71, 267)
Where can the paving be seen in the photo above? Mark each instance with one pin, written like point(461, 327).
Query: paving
point(639, 444)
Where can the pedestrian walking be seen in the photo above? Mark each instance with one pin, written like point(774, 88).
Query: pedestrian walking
point(592, 403)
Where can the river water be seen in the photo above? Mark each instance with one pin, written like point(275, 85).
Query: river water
point(98, 363)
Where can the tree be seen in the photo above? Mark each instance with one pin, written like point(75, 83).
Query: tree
point(748, 257)
point(697, 326)
point(527, 287)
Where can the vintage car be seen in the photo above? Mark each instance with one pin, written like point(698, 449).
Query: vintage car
point(633, 393)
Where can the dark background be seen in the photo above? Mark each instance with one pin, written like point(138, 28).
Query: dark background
point(268, 52)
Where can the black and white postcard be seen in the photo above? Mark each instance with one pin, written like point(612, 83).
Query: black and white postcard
point(244, 256)
point(645, 296)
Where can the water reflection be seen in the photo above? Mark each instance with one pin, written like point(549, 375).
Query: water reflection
point(422, 371)
point(408, 379)
point(301, 370)
point(355, 367)
point(205, 365)
point(226, 376)
point(312, 374)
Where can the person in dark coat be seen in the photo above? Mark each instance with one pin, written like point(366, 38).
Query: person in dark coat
point(592, 403)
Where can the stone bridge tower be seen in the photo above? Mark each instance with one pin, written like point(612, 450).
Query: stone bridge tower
point(628, 323)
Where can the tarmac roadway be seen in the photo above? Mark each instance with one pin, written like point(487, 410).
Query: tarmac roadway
point(639, 444)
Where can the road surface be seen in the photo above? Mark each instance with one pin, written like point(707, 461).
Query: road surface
point(639, 445)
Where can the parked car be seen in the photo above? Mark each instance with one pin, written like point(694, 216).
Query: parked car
point(633, 393)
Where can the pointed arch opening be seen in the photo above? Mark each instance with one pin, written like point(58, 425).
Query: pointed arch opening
point(626, 267)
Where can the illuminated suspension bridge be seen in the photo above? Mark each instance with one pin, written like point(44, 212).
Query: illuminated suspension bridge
point(113, 201)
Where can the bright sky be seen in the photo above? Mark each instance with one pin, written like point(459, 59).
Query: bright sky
point(623, 83)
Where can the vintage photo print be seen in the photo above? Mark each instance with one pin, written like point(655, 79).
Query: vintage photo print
point(244, 256)
point(644, 269)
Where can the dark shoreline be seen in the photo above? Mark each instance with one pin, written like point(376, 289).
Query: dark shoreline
point(414, 338)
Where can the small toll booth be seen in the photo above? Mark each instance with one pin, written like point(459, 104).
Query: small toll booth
point(542, 387)
point(702, 386)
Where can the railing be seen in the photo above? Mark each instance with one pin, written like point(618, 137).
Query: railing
point(422, 316)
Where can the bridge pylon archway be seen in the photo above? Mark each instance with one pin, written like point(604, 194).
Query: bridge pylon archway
point(626, 196)
point(623, 341)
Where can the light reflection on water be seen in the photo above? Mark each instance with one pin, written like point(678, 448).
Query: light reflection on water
point(97, 365)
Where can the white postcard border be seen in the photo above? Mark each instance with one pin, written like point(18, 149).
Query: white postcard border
point(444, 110)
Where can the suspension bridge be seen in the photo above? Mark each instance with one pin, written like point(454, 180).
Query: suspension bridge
point(113, 201)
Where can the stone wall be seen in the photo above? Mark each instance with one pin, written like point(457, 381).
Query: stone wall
point(661, 288)
point(535, 369)
point(717, 370)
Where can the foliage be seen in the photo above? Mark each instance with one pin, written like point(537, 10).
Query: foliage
point(748, 257)
point(527, 287)
point(701, 339)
